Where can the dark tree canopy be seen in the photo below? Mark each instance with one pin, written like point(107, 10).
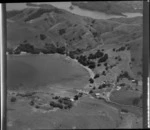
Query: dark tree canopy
point(62, 31)
point(13, 99)
point(42, 36)
point(96, 76)
point(98, 54)
point(124, 75)
point(91, 80)
point(24, 47)
point(103, 59)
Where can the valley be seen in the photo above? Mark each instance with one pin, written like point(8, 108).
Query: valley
point(66, 66)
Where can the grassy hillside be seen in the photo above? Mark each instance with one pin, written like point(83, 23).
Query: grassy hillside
point(112, 49)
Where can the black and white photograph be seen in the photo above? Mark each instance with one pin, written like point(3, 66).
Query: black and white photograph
point(74, 65)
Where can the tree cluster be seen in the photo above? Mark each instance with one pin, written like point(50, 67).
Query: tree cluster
point(103, 59)
point(63, 103)
point(98, 54)
point(102, 86)
point(55, 104)
point(24, 47)
point(66, 102)
point(48, 49)
point(76, 97)
point(91, 80)
point(86, 62)
point(124, 75)
point(121, 49)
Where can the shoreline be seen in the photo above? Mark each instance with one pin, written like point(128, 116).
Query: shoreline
point(91, 73)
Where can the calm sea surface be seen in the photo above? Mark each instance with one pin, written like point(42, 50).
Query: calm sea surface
point(38, 71)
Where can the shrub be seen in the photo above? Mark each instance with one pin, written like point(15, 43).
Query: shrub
point(128, 48)
point(56, 97)
point(106, 68)
point(31, 103)
point(132, 59)
point(37, 106)
point(95, 34)
point(52, 103)
point(94, 88)
point(96, 76)
point(103, 73)
point(91, 80)
point(105, 64)
point(103, 85)
point(119, 59)
point(90, 91)
point(116, 57)
point(62, 31)
point(80, 94)
point(65, 107)
point(122, 84)
point(100, 87)
point(42, 36)
point(112, 66)
point(124, 110)
point(13, 99)
point(93, 21)
point(136, 101)
point(121, 48)
point(76, 97)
